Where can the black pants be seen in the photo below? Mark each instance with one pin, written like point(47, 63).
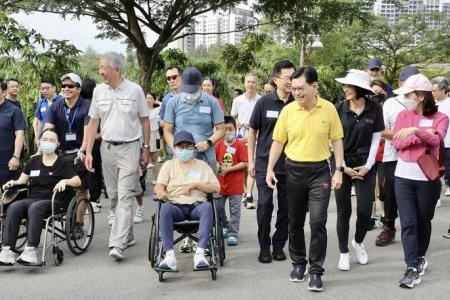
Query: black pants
point(390, 204)
point(95, 179)
point(35, 211)
point(416, 201)
point(365, 195)
point(264, 213)
point(308, 187)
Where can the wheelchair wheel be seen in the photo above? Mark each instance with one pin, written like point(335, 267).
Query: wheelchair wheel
point(220, 243)
point(80, 224)
point(152, 243)
point(58, 256)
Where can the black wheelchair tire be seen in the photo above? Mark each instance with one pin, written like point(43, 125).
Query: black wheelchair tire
point(152, 243)
point(74, 246)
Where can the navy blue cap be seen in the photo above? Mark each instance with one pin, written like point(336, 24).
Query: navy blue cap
point(191, 80)
point(374, 63)
point(407, 72)
point(183, 136)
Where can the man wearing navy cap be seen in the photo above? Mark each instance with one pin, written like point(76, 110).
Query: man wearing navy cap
point(391, 108)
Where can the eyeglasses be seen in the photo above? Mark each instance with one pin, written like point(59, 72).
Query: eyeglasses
point(297, 89)
point(185, 147)
point(287, 78)
point(69, 86)
point(375, 69)
point(172, 78)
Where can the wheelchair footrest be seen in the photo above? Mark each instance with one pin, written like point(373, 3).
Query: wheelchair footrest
point(208, 268)
point(26, 264)
point(158, 269)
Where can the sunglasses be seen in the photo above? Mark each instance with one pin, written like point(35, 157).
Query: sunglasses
point(172, 78)
point(70, 86)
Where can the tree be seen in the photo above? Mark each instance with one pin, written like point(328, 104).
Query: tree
point(131, 19)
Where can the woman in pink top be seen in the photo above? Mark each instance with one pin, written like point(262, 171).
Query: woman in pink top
point(420, 125)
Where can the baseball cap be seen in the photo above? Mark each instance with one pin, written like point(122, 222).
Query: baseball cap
point(416, 82)
point(191, 80)
point(374, 63)
point(183, 136)
point(407, 72)
point(72, 76)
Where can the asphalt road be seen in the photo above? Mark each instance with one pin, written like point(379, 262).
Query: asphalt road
point(93, 275)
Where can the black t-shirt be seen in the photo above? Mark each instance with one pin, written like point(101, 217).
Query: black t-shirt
point(264, 117)
point(11, 120)
point(43, 179)
point(358, 130)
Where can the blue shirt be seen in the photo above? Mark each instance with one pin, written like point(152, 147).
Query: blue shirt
point(199, 119)
point(69, 123)
point(11, 120)
point(42, 107)
point(164, 102)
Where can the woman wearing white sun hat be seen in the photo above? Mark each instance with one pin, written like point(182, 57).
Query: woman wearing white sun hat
point(362, 120)
point(419, 127)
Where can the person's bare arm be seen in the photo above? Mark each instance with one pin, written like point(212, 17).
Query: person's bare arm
point(36, 128)
point(275, 151)
point(91, 132)
point(168, 134)
point(387, 134)
point(14, 161)
point(251, 142)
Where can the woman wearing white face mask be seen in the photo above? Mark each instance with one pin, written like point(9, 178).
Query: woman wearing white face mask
point(417, 130)
point(44, 174)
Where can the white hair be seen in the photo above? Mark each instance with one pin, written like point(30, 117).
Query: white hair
point(116, 61)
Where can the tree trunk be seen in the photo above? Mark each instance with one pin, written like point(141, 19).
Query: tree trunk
point(147, 59)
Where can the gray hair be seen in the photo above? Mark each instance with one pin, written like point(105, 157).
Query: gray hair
point(442, 83)
point(116, 61)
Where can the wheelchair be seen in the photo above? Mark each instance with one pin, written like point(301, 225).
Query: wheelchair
point(187, 228)
point(60, 225)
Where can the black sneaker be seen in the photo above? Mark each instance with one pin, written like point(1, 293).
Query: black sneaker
point(315, 283)
point(298, 273)
point(423, 264)
point(249, 202)
point(410, 279)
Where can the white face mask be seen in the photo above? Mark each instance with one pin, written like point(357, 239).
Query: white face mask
point(193, 98)
point(410, 104)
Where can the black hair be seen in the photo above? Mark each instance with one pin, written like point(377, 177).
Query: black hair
point(239, 91)
point(230, 120)
point(309, 73)
point(380, 83)
point(12, 79)
point(87, 88)
point(180, 71)
point(429, 106)
point(282, 64)
point(2, 84)
point(360, 92)
point(49, 129)
point(49, 81)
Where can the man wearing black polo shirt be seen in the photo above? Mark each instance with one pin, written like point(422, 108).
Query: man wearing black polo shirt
point(262, 123)
point(12, 91)
point(12, 132)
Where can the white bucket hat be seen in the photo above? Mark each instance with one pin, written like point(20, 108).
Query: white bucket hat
point(357, 78)
point(416, 82)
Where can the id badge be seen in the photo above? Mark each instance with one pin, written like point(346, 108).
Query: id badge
point(231, 150)
point(272, 114)
point(425, 123)
point(205, 109)
point(43, 109)
point(35, 173)
point(194, 174)
point(71, 137)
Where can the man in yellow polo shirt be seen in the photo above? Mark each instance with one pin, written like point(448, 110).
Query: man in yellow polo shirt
point(306, 127)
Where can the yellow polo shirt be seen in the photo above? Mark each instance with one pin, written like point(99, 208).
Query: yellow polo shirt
point(307, 133)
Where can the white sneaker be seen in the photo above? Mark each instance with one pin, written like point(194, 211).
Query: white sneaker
point(95, 207)
point(169, 262)
point(116, 253)
point(447, 191)
point(7, 256)
point(111, 217)
point(29, 256)
point(438, 203)
point(139, 216)
point(344, 262)
point(200, 261)
point(130, 243)
point(361, 253)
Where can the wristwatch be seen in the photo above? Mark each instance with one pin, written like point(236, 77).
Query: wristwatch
point(210, 143)
point(146, 146)
point(340, 168)
point(16, 157)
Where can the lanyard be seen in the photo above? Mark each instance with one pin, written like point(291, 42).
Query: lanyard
point(73, 117)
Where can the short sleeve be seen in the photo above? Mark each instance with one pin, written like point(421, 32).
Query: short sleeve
point(37, 112)
point(336, 130)
point(93, 109)
point(164, 105)
point(169, 114)
point(19, 121)
point(217, 112)
point(50, 117)
point(142, 105)
point(379, 122)
point(243, 155)
point(164, 172)
point(280, 130)
point(255, 119)
point(234, 107)
point(28, 166)
point(211, 176)
point(67, 170)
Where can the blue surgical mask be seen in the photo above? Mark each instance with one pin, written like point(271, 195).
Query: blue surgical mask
point(184, 154)
point(230, 137)
point(47, 147)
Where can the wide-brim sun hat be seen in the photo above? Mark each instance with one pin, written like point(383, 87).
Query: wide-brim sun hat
point(357, 78)
point(417, 82)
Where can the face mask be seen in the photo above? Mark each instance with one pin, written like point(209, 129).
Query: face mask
point(193, 98)
point(378, 98)
point(230, 137)
point(184, 154)
point(47, 147)
point(410, 104)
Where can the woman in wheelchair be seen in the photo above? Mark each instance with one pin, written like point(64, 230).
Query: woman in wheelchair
point(183, 184)
point(45, 174)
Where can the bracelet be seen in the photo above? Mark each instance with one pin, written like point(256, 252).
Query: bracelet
point(16, 157)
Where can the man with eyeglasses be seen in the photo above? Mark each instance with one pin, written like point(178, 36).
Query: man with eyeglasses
point(262, 123)
point(48, 92)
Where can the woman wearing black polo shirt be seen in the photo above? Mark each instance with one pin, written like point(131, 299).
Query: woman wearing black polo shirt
point(362, 120)
point(44, 173)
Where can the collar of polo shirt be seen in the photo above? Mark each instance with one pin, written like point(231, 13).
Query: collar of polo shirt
point(367, 106)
